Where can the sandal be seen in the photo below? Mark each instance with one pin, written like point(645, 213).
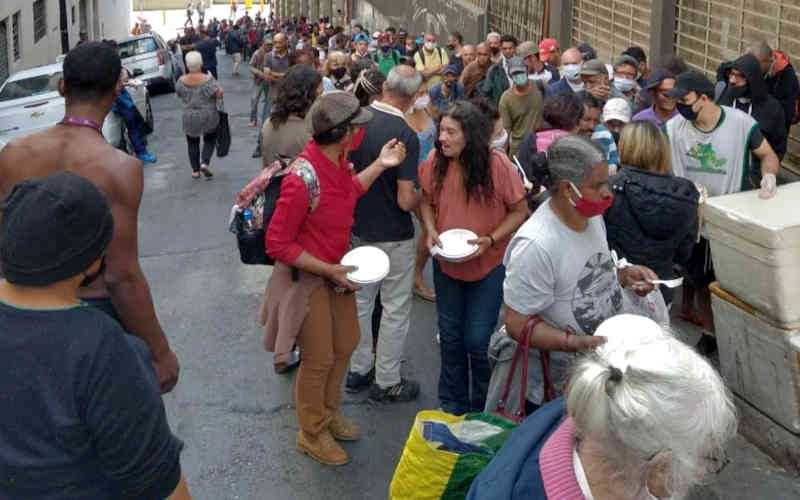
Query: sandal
point(428, 295)
point(195, 175)
point(206, 171)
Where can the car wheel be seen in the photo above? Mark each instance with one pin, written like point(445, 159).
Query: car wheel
point(149, 114)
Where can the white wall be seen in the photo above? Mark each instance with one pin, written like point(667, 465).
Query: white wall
point(113, 21)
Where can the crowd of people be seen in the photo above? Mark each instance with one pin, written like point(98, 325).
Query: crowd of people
point(553, 159)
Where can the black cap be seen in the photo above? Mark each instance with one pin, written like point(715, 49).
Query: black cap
point(53, 228)
point(691, 81)
point(658, 76)
point(587, 51)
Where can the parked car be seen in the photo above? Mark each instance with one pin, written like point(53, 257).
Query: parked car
point(30, 102)
point(150, 60)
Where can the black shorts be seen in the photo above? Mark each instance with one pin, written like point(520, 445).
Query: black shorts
point(699, 270)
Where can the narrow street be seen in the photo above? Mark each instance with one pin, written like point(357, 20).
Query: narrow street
point(233, 412)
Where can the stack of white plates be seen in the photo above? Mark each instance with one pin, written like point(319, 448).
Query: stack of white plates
point(372, 263)
point(455, 246)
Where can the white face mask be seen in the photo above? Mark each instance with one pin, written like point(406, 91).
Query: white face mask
point(422, 102)
point(624, 84)
point(571, 71)
point(430, 46)
point(500, 142)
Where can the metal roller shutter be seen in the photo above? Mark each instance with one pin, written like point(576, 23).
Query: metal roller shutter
point(709, 32)
point(522, 18)
point(611, 26)
point(3, 51)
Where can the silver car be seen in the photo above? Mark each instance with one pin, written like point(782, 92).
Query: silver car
point(150, 60)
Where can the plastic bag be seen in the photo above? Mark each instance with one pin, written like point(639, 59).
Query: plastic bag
point(651, 305)
point(445, 453)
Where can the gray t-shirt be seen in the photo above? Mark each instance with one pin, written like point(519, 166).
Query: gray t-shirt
point(566, 277)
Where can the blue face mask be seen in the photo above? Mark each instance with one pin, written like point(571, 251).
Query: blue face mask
point(385, 49)
point(520, 79)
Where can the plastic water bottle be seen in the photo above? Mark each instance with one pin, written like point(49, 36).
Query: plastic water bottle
point(248, 218)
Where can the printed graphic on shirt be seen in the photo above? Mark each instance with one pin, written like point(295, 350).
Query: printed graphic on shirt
point(598, 295)
point(709, 161)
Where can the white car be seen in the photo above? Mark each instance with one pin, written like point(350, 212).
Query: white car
point(30, 102)
point(150, 59)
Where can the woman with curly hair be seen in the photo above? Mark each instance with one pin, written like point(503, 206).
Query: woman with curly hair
point(369, 85)
point(467, 185)
point(285, 132)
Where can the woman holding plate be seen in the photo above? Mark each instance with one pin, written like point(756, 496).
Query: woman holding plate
point(309, 295)
point(468, 187)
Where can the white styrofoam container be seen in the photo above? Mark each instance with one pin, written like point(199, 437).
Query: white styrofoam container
point(755, 247)
point(759, 362)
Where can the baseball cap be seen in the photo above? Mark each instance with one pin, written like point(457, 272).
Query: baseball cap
point(517, 65)
point(690, 81)
point(385, 37)
point(336, 108)
point(361, 37)
point(267, 39)
point(376, 35)
point(626, 59)
point(617, 108)
point(450, 69)
point(593, 67)
point(526, 49)
point(587, 51)
point(548, 45)
point(53, 228)
point(658, 76)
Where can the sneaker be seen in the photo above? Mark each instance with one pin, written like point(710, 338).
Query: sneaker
point(257, 153)
point(147, 158)
point(406, 390)
point(357, 382)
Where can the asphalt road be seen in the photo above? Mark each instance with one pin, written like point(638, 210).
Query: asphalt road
point(233, 413)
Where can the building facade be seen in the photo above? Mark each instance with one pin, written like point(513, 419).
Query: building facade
point(34, 32)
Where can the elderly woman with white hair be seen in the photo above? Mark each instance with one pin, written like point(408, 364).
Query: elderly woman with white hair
point(199, 93)
point(644, 417)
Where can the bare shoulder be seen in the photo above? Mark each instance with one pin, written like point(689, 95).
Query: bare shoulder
point(125, 174)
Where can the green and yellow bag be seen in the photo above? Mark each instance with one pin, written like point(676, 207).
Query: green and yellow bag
point(444, 453)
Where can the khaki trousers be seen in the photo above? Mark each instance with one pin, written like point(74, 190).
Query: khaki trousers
point(327, 339)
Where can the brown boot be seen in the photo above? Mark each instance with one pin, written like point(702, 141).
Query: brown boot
point(341, 428)
point(322, 448)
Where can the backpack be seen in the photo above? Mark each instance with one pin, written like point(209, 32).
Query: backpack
point(256, 203)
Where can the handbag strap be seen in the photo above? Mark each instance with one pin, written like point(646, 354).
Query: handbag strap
point(549, 387)
point(522, 351)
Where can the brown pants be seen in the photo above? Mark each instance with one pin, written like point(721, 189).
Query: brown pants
point(328, 337)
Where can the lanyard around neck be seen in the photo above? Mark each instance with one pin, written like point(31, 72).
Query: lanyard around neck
point(82, 122)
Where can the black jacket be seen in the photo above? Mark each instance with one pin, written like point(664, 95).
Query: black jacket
point(783, 85)
point(766, 110)
point(653, 220)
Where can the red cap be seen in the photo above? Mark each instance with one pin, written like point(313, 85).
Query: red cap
point(548, 45)
point(385, 37)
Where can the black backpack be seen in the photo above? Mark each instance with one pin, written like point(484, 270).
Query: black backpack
point(251, 221)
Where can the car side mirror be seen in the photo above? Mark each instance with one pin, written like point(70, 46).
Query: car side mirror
point(137, 72)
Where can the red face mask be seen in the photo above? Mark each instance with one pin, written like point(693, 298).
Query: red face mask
point(588, 208)
point(358, 138)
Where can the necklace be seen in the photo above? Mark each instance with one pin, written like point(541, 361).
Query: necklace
point(82, 122)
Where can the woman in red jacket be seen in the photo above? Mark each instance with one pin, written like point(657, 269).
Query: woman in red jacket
point(308, 295)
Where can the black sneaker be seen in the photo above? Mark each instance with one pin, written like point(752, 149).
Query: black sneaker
point(357, 382)
point(707, 345)
point(406, 390)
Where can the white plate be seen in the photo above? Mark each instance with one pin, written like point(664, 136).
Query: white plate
point(455, 246)
point(372, 263)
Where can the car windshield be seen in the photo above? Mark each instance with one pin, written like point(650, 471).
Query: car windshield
point(137, 47)
point(29, 87)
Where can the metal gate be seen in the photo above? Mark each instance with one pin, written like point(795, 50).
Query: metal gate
point(3, 50)
point(522, 18)
point(611, 26)
point(709, 32)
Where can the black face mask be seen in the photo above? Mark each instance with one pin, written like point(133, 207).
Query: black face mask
point(739, 92)
point(338, 73)
point(615, 135)
point(91, 278)
point(451, 84)
point(686, 111)
point(451, 47)
point(495, 50)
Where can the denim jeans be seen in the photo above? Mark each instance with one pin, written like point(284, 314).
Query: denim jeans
point(467, 318)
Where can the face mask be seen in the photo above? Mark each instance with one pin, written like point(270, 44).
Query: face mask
point(520, 79)
point(385, 49)
point(615, 135)
point(422, 102)
point(338, 73)
point(624, 84)
point(429, 46)
point(91, 278)
point(738, 92)
point(589, 208)
point(686, 111)
point(500, 142)
point(571, 71)
point(451, 84)
point(495, 50)
point(358, 138)
point(451, 48)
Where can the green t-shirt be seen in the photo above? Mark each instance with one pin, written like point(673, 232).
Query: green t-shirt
point(386, 63)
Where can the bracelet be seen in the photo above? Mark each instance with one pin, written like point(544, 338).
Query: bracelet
point(491, 238)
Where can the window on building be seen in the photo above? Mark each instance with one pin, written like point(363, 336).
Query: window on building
point(39, 20)
point(72, 13)
point(15, 35)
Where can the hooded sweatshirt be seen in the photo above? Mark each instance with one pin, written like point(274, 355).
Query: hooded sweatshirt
point(782, 84)
point(653, 220)
point(759, 104)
